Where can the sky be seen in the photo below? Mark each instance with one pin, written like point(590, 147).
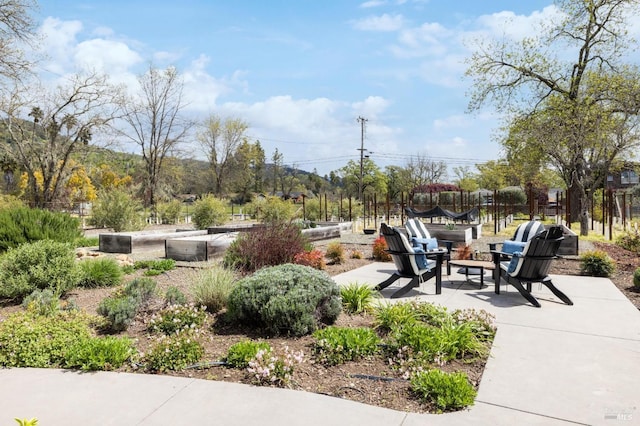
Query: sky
point(301, 73)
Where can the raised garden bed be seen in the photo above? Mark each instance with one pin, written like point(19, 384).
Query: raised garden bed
point(569, 246)
point(198, 248)
point(126, 242)
point(460, 234)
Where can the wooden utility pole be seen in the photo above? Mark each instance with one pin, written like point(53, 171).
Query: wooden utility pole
point(362, 150)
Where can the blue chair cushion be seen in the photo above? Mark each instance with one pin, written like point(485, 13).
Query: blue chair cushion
point(513, 246)
point(514, 261)
point(421, 259)
point(425, 243)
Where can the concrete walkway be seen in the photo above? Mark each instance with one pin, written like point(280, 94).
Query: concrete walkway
point(555, 365)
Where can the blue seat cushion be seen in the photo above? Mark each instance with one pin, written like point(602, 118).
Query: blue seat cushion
point(514, 261)
point(513, 246)
point(421, 259)
point(426, 243)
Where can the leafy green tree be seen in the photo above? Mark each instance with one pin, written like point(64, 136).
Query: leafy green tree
point(373, 179)
point(398, 181)
point(493, 174)
point(466, 179)
point(567, 91)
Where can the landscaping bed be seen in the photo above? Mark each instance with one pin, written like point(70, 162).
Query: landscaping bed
point(371, 379)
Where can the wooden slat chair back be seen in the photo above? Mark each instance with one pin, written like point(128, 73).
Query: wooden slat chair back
point(404, 257)
point(532, 265)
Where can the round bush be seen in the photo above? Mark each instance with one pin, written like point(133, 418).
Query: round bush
point(209, 211)
point(286, 299)
point(597, 263)
point(39, 265)
point(636, 278)
point(118, 210)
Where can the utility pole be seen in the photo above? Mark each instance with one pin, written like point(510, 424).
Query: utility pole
point(362, 150)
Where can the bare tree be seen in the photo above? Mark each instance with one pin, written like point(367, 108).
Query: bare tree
point(46, 127)
point(423, 171)
point(220, 140)
point(155, 122)
point(16, 30)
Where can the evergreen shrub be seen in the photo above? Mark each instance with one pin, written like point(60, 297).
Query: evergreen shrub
point(286, 299)
point(596, 263)
point(118, 210)
point(38, 265)
point(209, 211)
point(19, 225)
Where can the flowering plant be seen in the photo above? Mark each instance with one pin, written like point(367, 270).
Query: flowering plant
point(270, 369)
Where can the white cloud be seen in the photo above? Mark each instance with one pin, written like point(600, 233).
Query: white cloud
point(59, 40)
point(372, 106)
point(427, 40)
point(372, 3)
point(517, 27)
point(112, 57)
point(202, 90)
point(382, 23)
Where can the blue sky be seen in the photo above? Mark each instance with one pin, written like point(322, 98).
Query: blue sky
point(302, 72)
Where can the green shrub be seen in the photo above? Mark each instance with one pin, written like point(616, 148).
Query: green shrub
point(289, 299)
point(42, 302)
point(629, 241)
point(31, 340)
point(597, 263)
point(140, 289)
point(335, 345)
point(19, 225)
point(636, 278)
point(160, 265)
point(239, 354)
point(209, 211)
point(38, 265)
point(174, 296)
point(274, 210)
point(100, 272)
point(357, 298)
point(448, 391)
point(273, 244)
point(169, 212)
point(119, 311)
point(87, 242)
point(433, 344)
point(116, 209)
point(512, 196)
point(394, 315)
point(173, 353)
point(177, 318)
point(99, 353)
point(335, 253)
point(211, 288)
point(481, 322)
